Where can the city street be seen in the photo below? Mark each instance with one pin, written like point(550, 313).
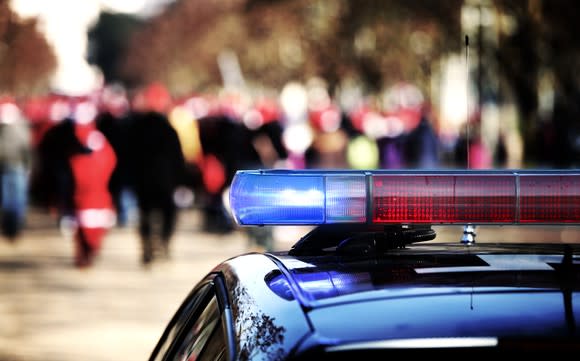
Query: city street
point(118, 309)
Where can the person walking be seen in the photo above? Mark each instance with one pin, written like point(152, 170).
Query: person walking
point(15, 164)
point(113, 121)
point(91, 172)
point(158, 169)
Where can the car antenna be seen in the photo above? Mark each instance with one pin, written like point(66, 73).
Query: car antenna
point(467, 98)
point(468, 236)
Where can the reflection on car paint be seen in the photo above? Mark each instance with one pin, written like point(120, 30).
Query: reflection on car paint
point(258, 333)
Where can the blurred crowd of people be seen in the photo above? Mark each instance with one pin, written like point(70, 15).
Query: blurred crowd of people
point(117, 157)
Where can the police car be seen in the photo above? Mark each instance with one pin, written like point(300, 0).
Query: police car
point(370, 281)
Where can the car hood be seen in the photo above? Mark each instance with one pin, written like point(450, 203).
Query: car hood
point(441, 291)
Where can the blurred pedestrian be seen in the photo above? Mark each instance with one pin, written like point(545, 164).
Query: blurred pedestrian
point(91, 170)
point(52, 182)
point(232, 141)
point(114, 122)
point(328, 149)
point(422, 144)
point(157, 169)
point(412, 142)
point(225, 146)
point(265, 137)
point(183, 117)
point(362, 151)
point(15, 165)
point(37, 110)
point(391, 146)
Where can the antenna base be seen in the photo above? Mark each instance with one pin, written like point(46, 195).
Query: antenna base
point(469, 233)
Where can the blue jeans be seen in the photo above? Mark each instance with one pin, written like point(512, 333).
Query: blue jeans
point(14, 199)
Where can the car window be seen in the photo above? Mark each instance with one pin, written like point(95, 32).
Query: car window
point(197, 335)
point(216, 347)
point(186, 311)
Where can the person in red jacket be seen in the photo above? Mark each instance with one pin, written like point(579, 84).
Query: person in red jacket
point(91, 170)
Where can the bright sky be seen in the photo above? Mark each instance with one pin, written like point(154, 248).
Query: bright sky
point(65, 24)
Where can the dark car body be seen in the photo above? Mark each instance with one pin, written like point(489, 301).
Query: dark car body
point(420, 299)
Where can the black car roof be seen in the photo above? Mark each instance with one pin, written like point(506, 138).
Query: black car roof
point(323, 280)
point(423, 291)
point(438, 291)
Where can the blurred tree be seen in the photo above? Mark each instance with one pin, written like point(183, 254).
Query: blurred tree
point(532, 43)
point(277, 41)
point(542, 44)
point(180, 47)
point(108, 41)
point(27, 62)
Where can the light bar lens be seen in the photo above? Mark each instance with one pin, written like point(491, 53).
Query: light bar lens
point(346, 199)
point(284, 198)
point(550, 199)
point(399, 197)
point(274, 199)
point(444, 199)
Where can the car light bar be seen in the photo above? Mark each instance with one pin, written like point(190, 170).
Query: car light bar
point(309, 197)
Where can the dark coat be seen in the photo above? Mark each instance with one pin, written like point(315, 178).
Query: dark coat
point(52, 182)
point(232, 143)
point(155, 160)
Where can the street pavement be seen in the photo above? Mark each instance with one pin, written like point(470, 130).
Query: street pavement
point(117, 309)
